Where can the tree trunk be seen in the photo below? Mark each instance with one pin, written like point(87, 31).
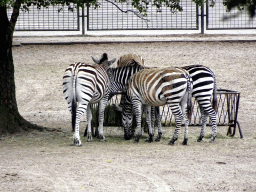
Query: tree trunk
point(10, 119)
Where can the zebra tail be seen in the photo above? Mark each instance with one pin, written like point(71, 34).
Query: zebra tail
point(214, 100)
point(73, 112)
point(68, 92)
point(189, 101)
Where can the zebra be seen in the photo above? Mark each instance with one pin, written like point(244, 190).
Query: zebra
point(128, 65)
point(84, 84)
point(126, 109)
point(127, 60)
point(204, 86)
point(157, 87)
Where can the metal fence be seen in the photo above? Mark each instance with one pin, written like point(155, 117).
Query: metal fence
point(109, 17)
point(54, 18)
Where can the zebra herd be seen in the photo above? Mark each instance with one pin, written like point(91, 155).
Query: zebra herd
point(142, 88)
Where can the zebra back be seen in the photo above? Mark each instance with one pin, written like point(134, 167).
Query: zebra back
point(154, 84)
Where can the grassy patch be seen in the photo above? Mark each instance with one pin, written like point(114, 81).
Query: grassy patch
point(219, 136)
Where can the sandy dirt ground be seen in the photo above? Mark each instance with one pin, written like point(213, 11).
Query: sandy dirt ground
point(45, 161)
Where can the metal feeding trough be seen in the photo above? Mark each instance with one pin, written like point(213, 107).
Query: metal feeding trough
point(227, 111)
point(228, 103)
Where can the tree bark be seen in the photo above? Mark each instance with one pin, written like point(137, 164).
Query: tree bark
point(10, 119)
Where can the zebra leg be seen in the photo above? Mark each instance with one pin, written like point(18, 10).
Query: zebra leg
point(204, 121)
point(80, 111)
point(137, 109)
point(102, 106)
point(185, 119)
point(148, 120)
point(178, 119)
point(127, 118)
point(122, 103)
point(89, 120)
point(153, 120)
point(159, 125)
point(207, 110)
point(212, 115)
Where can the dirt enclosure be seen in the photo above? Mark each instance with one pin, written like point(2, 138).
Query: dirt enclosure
point(45, 161)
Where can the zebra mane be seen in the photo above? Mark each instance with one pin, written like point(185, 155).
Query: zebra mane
point(130, 59)
point(131, 63)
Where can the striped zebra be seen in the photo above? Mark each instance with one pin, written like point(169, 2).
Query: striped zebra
point(125, 108)
point(157, 87)
point(127, 66)
point(84, 84)
point(204, 86)
point(127, 119)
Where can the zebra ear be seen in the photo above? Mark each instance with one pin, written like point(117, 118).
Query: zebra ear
point(95, 60)
point(103, 58)
point(111, 62)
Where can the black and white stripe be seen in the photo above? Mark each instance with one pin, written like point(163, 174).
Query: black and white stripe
point(84, 84)
point(204, 87)
point(136, 63)
point(157, 87)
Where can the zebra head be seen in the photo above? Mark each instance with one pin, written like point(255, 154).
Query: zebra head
point(104, 60)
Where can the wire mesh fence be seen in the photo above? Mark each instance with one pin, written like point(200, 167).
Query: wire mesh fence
point(54, 18)
point(109, 17)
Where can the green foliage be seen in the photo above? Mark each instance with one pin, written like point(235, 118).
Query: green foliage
point(140, 5)
point(219, 136)
point(241, 5)
point(168, 124)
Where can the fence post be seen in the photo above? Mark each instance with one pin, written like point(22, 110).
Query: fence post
point(202, 18)
point(83, 32)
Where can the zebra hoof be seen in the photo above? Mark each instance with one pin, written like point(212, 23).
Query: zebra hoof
point(89, 138)
point(137, 139)
point(102, 138)
point(77, 143)
point(212, 139)
point(150, 139)
point(185, 142)
point(172, 141)
point(158, 137)
point(200, 139)
point(127, 136)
